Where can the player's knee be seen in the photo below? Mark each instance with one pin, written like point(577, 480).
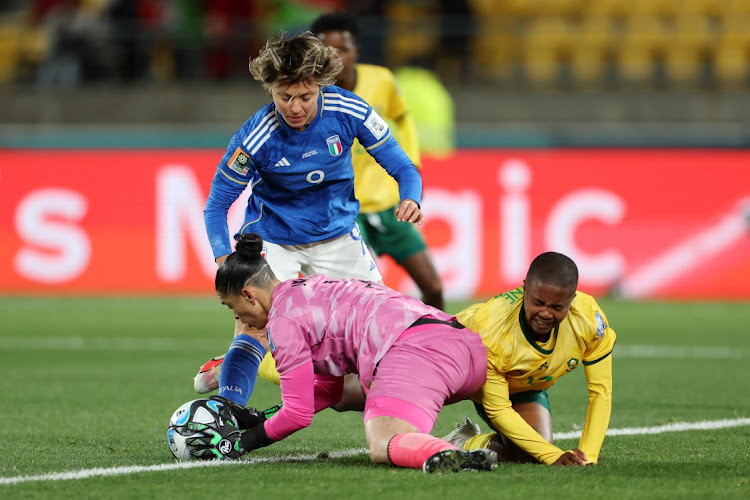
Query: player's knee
point(379, 456)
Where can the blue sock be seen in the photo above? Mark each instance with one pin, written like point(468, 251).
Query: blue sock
point(240, 369)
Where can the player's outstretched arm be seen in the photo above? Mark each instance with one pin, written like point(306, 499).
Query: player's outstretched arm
point(599, 383)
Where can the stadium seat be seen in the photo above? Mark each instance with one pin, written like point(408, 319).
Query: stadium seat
point(412, 33)
point(10, 44)
point(688, 49)
point(640, 8)
point(593, 40)
point(612, 8)
point(709, 8)
point(546, 43)
point(732, 51)
point(643, 43)
point(495, 42)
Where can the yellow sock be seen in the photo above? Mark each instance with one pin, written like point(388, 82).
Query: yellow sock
point(478, 441)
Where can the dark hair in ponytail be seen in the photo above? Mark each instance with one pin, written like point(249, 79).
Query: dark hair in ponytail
point(245, 266)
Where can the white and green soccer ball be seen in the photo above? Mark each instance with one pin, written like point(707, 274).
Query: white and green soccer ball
point(190, 421)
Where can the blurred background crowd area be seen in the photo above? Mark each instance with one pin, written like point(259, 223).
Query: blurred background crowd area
point(702, 44)
point(521, 72)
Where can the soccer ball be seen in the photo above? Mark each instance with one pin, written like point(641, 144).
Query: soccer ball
point(190, 421)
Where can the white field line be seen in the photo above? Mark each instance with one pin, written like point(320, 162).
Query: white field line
point(135, 469)
point(134, 344)
point(680, 352)
point(705, 425)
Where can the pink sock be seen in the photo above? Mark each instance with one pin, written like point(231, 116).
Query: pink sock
point(413, 449)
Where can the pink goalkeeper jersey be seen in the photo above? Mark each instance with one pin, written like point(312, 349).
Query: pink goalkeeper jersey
point(341, 326)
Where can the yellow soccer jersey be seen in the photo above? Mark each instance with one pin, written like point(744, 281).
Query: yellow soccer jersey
point(375, 189)
point(517, 363)
point(267, 369)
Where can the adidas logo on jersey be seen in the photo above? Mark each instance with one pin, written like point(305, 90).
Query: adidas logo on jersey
point(282, 163)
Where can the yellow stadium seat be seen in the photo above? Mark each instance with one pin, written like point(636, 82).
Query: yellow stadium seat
point(10, 38)
point(735, 7)
point(644, 41)
point(593, 41)
point(412, 33)
point(546, 42)
point(688, 48)
point(638, 8)
point(495, 47)
point(732, 51)
point(700, 7)
point(613, 8)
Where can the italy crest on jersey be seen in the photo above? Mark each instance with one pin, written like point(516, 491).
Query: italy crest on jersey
point(334, 145)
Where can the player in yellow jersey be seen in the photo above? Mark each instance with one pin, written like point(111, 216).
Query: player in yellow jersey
point(376, 191)
point(534, 335)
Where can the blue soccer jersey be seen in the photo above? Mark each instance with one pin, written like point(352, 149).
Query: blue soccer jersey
point(303, 182)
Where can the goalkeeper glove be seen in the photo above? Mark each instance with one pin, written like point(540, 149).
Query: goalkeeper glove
point(211, 444)
point(246, 417)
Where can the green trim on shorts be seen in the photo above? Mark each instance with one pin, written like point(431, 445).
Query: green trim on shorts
point(538, 397)
point(387, 236)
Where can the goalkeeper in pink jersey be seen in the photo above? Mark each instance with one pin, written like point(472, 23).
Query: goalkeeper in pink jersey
point(410, 358)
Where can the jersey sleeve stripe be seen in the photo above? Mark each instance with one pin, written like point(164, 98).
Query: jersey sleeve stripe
point(337, 102)
point(588, 363)
point(379, 142)
point(344, 110)
point(242, 231)
point(333, 95)
point(232, 178)
point(258, 131)
point(265, 138)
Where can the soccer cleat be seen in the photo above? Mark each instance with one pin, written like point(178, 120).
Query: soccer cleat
point(458, 460)
point(207, 379)
point(462, 433)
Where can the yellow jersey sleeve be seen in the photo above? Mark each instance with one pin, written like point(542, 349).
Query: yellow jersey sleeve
point(267, 369)
point(599, 383)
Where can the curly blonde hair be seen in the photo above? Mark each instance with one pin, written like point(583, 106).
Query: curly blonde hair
point(302, 58)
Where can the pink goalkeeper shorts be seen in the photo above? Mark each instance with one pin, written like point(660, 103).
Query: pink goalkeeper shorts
point(427, 367)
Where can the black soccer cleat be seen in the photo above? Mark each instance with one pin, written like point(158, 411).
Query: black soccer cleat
point(458, 460)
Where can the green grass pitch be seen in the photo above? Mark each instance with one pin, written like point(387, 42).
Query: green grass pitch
point(90, 383)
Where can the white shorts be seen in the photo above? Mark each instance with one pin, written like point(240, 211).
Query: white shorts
point(344, 257)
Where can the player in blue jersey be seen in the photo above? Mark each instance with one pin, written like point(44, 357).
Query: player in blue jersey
point(294, 154)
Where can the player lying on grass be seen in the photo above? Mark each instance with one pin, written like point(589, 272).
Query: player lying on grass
point(534, 335)
point(295, 154)
point(413, 359)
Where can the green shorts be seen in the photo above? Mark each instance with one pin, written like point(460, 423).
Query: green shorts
point(538, 397)
point(386, 235)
